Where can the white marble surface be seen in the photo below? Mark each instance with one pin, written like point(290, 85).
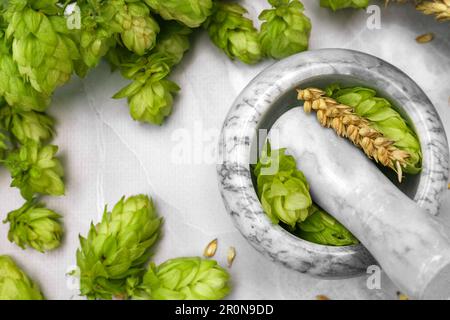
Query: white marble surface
point(107, 155)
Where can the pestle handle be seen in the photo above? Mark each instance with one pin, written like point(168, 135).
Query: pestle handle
point(411, 246)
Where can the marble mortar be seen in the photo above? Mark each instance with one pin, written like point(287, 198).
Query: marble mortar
point(271, 94)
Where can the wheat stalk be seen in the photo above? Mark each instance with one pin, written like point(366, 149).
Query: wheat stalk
point(357, 129)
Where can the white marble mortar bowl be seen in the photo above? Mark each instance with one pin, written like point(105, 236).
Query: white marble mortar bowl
point(271, 94)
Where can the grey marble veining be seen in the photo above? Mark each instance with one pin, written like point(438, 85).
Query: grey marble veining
point(263, 100)
point(411, 246)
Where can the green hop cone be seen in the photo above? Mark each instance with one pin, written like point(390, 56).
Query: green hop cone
point(117, 248)
point(13, 87)
point(35, 226)
point(344, 4)
point(282, 189)
point(183, 279)
point(139, 29)
point(27, 125)
point(35, 170)
point(233, 33)
point(3, 145)
point(98, 29)
point(286, 29)
point(41, 45)
point(384, 118)
point(322, 228)
point(192, 13)
point(173, 42)
point(15, 284)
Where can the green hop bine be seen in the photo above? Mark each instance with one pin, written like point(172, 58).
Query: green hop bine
point(286, 29)
point(235, 34)
point(385, 119)
point(344, 4)
point(322, 228)
point(41, 44)
point(35, 170)
point(117, 248)
point(139, 29)
point(15, 284)
point(35, 226)
point(182, 279)
point(13, 87)
point(282, 189)
point(27, 125)
point(192, 13)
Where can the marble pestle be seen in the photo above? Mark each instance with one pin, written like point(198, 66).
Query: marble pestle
point(411, 246)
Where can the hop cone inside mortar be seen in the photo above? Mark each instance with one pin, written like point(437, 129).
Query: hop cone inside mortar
point(285, 30)
point(27, 125)
point(343, 4)
point(182, 279)
point(192, 13)
point(13, 87)
point(35, 226)
point(35, 170)
point(139, 29)
point(117, 248)
point(15, 284)
point(233, 33)
point(282, 189)
point(41, 44)
point(322, 228)
point(383, 118)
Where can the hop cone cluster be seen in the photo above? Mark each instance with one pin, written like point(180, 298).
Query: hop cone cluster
point(35, 170)
point(282, 189)
point(117, 248)
point(41, 44)
point(182, 279)
point(192, 13)
point(35, 226)
point(285, 30)
point(439, 8)
point(15, 284)
point(233, 33)
point(344, 4)
point(322, 228)
point(150, 95)
point(383, 118)
point(13, 87)
point(27, 125)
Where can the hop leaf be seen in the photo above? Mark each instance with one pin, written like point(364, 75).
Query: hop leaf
point(35, 226)
point(283, 190)
point(383, 118)
point(117, 248)
point(35, 170)
point(139, 29)
point(286, 29)
point(27, 125)
point(16, 91)
point(15, 284)
point(321, 228)
point(182, 279)
point(41, 46)
point(233, 33)
point(191, 13)
point(343, 4)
